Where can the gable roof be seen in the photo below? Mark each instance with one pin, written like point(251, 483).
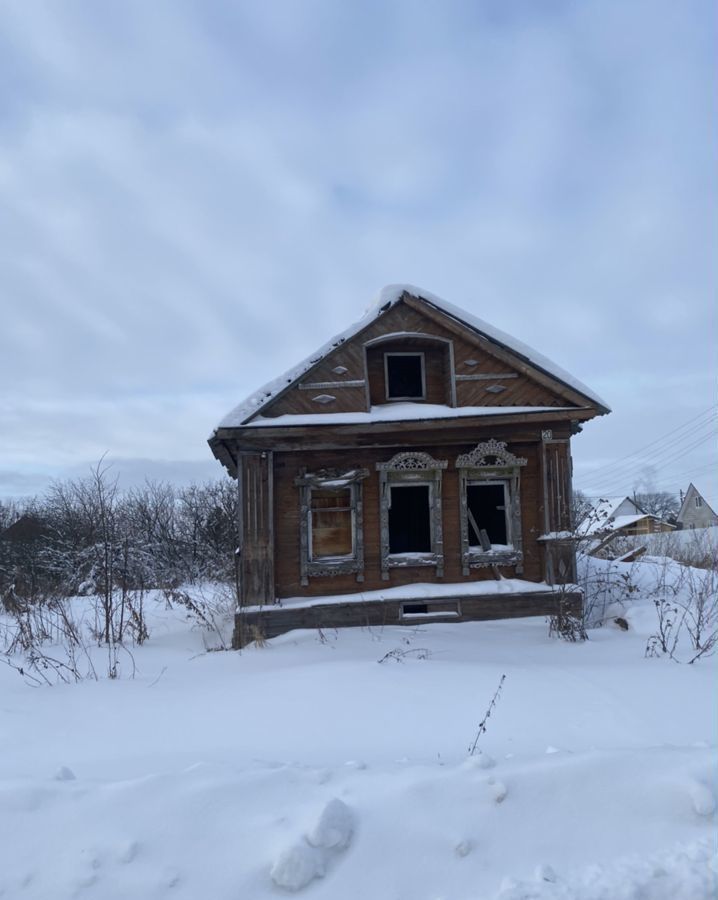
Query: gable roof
point(605, 513)
point(388, 297)
point(685, 506)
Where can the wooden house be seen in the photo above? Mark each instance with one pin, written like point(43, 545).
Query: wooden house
point(416, 467)
point(620, 516)
point(695, 511)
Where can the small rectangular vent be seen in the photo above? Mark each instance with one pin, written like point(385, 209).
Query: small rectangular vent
point(432, 609)
point(495, 389)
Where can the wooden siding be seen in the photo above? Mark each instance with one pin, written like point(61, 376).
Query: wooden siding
point(521, 389)
point(275, 620)
point(256, 528)
point(287, 512)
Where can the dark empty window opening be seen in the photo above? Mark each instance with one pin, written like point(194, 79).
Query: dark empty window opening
point(486, 509)
point(414, 609)
point(404, 376)
point(409, 519)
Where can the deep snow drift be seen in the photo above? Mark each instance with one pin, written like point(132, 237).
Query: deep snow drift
point(307, 766)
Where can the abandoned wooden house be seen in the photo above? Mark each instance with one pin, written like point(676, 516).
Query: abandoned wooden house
point(416, 468)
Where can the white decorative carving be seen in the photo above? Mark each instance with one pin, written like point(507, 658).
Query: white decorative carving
point(489, 454)
point(411, 461)
point(340, 370)
point(324, 398)
point(471, 362)
point(495, 389)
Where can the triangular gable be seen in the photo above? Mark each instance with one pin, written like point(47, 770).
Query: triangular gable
point(307, 387)
point(689, 500)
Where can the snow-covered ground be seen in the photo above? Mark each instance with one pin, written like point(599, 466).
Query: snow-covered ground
point(307, 765)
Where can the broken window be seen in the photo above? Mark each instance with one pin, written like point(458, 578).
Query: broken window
point(486, 508)
point(410, 512)
point(409, 519)
point(489, 480)
point(404, 374)
point(332, 522)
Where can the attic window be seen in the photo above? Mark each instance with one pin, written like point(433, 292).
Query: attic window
point(699, 502)
point(404, 376)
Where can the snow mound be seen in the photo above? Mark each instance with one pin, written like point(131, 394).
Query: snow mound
point(297, 866)
point(704, 803)
point(479, 761)
point(334, 827)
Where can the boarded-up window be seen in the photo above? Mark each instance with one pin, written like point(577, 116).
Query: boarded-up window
point(331, 528)
point(486, 510)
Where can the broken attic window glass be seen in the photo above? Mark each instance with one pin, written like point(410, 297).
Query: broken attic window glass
point(404, 376)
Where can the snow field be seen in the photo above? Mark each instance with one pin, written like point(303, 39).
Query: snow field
point(306, 768)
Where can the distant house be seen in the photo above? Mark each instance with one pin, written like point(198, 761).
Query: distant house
point(416, 468)
point(694, 511)
point(620, 515)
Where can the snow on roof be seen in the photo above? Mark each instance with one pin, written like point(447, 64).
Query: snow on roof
point(398, 412)
point(603, 515)
point(388, 297)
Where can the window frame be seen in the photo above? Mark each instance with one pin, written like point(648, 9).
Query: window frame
point(422, 357)
point(327, 479)
point(482, 482)
point(351, 509)
point(490, 462)
point(405, 469)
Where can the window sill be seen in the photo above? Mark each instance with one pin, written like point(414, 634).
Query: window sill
point(407, 560)
point(475, 559)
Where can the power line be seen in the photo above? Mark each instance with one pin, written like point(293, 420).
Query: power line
point(709, 414)
point(638, 468)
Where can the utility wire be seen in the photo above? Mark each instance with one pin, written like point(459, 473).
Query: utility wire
point(708, 414)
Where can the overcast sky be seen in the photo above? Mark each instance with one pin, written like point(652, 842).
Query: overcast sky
point(194, 195)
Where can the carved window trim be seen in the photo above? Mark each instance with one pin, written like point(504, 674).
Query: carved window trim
point(412, 468)
point(488, 462)
point(330, 566)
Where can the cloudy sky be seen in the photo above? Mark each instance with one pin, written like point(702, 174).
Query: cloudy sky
point(194, 195)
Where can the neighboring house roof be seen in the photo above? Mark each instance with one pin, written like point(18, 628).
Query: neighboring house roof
point(607, 512)
point(253, 405)
point(613, 514)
